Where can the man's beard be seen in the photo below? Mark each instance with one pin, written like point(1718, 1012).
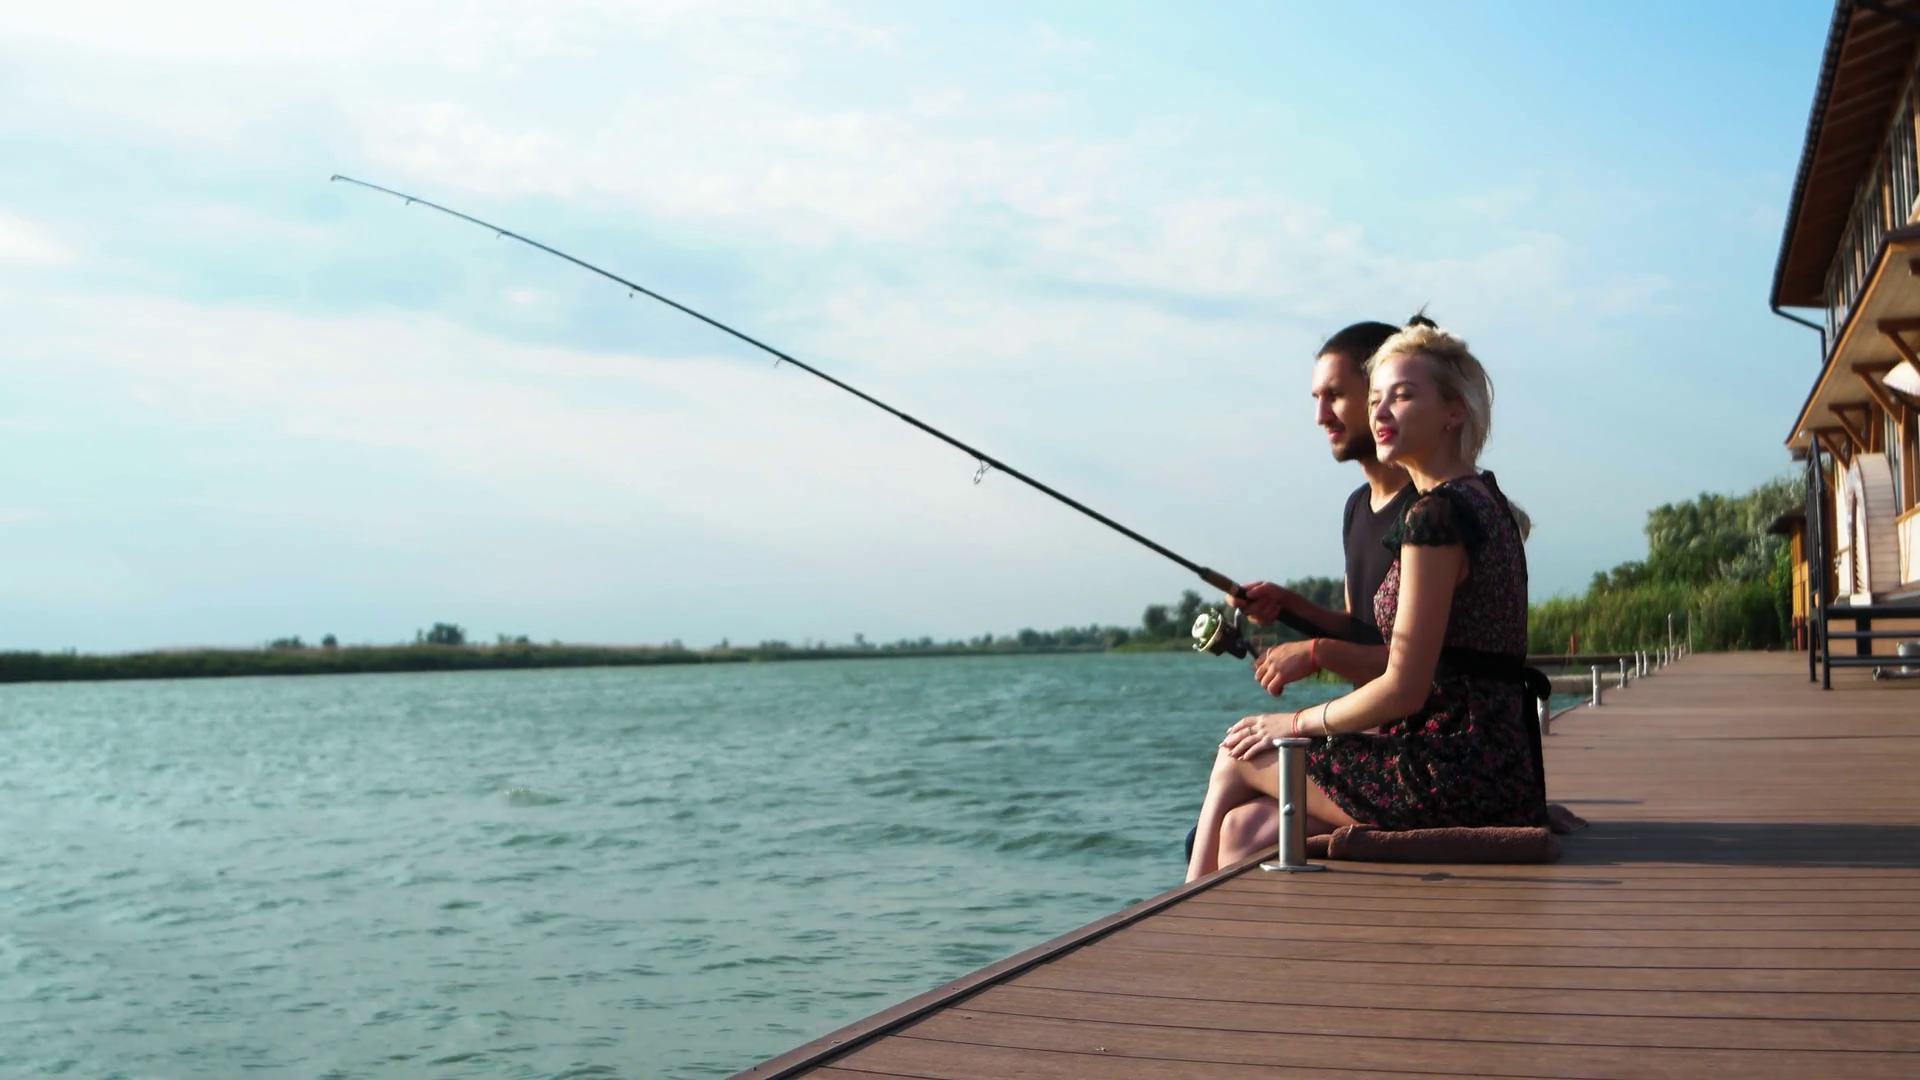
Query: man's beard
point(1357, 446)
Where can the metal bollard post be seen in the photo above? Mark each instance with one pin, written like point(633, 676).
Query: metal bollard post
point(1293, 809)
point(1596, 687)
point(1546, 716)
point(1623, 673)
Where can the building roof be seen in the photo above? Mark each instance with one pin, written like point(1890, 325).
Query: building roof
point(1868, 57)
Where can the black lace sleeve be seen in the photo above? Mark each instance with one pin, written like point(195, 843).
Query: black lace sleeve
point(1440, 517)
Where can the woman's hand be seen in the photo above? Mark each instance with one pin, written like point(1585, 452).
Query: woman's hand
point(1250, 735)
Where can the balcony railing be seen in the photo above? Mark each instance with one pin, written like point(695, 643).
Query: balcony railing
point(1885, 201)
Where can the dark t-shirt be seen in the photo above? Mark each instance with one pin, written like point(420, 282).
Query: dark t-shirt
point(1368, 559)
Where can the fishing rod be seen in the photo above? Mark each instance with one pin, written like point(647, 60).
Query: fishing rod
point(1222, 633)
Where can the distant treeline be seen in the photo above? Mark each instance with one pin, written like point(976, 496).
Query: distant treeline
point(361, 659)
point(1709, 559)
point(445, 647)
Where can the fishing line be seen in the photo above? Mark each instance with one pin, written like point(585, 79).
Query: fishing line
point(985, 461)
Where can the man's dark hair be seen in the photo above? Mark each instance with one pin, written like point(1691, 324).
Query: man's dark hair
point(1358, 342)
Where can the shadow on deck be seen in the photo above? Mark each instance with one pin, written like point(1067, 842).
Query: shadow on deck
point(1744, 843)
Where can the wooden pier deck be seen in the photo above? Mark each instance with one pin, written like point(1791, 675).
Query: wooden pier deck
point(1745, 905)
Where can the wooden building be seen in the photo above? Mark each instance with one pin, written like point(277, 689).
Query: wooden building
point(1851, 254)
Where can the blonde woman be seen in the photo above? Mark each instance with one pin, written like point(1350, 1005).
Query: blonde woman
point(1453, 747)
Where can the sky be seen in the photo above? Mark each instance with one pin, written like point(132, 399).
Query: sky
point(1099, 241)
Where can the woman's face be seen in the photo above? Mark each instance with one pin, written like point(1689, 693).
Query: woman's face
point(1410, 420)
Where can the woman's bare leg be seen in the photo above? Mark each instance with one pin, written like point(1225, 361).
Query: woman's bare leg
point(1249, 829)
point(1253, 828)
point(1236, 783)
point(1227, 788)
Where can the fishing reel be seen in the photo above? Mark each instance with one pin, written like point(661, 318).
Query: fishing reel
point(1219, 633)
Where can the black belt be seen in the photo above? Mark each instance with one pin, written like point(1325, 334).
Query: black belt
point(1508, 668)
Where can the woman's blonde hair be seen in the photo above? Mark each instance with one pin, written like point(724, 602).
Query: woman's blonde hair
point(1459, 376)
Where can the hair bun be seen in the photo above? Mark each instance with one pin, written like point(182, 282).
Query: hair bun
point(1420, 319)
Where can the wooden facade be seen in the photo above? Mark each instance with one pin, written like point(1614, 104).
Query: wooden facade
point(1793, 526)
point(1851, 249)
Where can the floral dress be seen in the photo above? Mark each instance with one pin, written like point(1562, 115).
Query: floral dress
point(1464, 758)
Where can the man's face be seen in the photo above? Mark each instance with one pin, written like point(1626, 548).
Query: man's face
point(1340, 396)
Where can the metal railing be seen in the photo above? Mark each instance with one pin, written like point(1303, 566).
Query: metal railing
point(1863, 635)
point(1630, 667)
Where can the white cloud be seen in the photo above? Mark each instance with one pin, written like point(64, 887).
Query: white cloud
point(453, 32)
point(26, 243)
point(812, 177)
point(708, 135)
point(1048, 39)
point(733, 446)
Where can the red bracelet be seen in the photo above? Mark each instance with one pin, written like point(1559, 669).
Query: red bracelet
point(1312, 647)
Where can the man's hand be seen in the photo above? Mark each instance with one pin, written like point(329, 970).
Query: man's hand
point(1265, 601)
point(1250, 735)
point(1283, 664)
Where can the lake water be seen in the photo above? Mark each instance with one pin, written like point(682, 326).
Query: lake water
point(635, 872)
point(631, 872)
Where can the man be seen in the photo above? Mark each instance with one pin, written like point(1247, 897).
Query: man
point(1347, 643)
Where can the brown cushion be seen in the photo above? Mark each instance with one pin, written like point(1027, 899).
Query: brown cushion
point(1492, 844)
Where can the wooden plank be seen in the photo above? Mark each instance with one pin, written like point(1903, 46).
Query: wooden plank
point(1237, 971)
point(1901, 947)
point(1573, 875)
point(1385, 1018)
point(1724, 916)
point(1692, 891)
point(1411, 951)
point(933, 1060)
point(1569, 878)
point(1362, 906)
point(1486, 1057)
point(1352, 986)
